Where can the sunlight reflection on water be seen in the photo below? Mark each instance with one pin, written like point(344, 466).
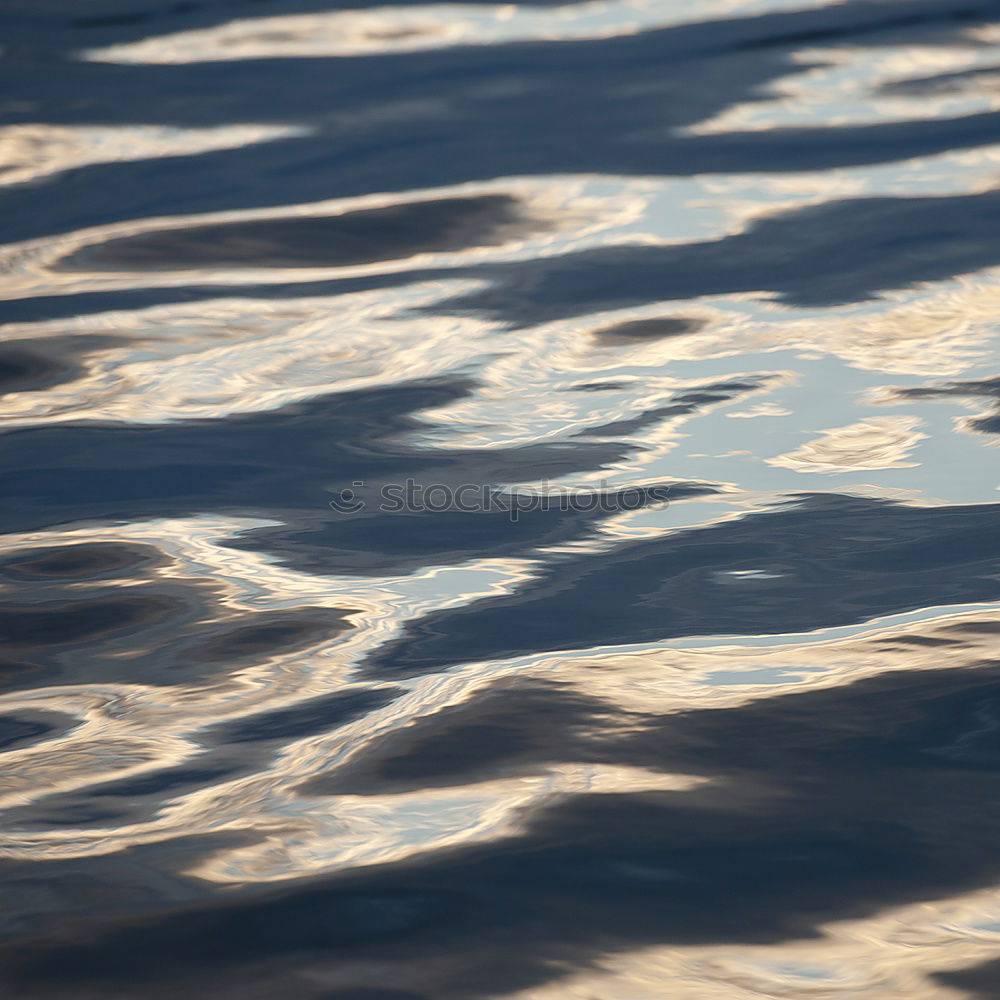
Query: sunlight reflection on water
point(735, 743)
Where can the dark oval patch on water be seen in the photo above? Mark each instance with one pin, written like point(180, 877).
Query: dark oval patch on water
point(650, 329)
point(261, 634)
point(79, 562)
point(35, 364)
point(21, 371)
point(361, 237)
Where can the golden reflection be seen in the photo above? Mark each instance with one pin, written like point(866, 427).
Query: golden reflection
point(857, 86)
point(315, 757)
point(232, 355)
point(660, 681)
point(875, 443)
point(352, 831)
point(941, 330)
point(34, 151)
point(761, 410)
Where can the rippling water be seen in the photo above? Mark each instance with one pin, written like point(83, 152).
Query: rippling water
point(500, 500)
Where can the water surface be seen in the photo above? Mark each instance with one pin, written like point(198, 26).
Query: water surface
point(500, 501)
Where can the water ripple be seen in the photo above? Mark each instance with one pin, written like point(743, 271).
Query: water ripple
point(499, 500)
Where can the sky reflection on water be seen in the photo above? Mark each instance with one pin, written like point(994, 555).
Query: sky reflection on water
point(734, 744)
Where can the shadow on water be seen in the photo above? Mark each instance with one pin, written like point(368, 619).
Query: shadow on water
point(160, 707)
point(826, 560)
point(31, 365)
point(361, 237)
point(824, 805)
point(845, 251)
point(833, 253)
point(404, 121)
point(289, 463)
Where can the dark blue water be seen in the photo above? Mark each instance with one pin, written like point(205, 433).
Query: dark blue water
point(500, 501)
